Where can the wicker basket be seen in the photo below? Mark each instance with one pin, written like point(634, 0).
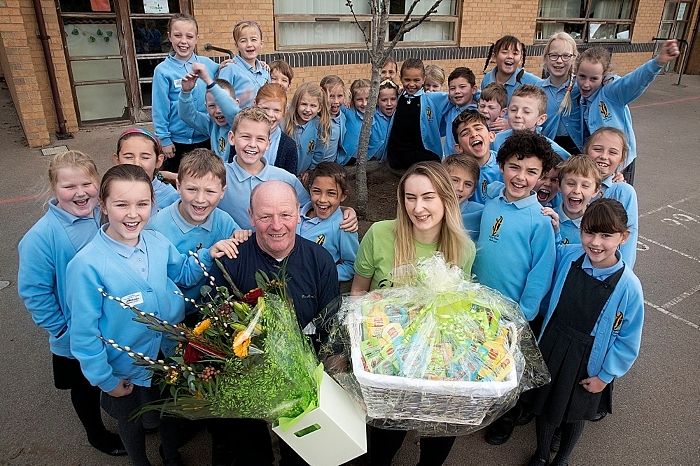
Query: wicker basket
point(394, 397)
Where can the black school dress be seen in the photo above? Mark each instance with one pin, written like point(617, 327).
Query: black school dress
point(566, 347)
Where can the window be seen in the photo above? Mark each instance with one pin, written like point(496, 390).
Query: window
point(586, 20)
point(304, 24)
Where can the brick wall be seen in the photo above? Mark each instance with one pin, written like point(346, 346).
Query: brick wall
point(24, 68)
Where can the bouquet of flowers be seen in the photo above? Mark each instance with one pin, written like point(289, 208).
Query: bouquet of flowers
point(247, 357)
point(437, 353)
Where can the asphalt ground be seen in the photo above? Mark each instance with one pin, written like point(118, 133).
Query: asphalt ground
point(656, 419)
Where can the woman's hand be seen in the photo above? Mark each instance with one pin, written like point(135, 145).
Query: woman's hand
point(169, 151)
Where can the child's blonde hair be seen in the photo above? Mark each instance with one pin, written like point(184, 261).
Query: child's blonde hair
point(182, 17)
point(252, 114)
point(565, 106)
point(355, 87)
point(74, 160)
point(199, 163)
point(328, 83)
point(453, 241)
point(241, 25)
point(597, 54)
point(436, 73)
point(536, 92)
point(465, 162)
point(324, 123)
point(581, 165)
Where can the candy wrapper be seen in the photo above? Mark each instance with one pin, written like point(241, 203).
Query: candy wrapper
point(438, 354)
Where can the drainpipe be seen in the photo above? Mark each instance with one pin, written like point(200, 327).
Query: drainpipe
point(44, 37)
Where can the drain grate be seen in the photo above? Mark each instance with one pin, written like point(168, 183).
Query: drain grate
point(54, 150)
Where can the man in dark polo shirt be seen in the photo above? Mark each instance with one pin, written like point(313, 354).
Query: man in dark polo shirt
point(312, 284)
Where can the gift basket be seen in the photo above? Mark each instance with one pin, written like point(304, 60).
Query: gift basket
point(437, 353)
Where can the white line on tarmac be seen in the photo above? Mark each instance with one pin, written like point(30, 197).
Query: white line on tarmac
point(671, 314)
point(680, 201)
point(685, 211)
point(648, 240)
point(680, 298)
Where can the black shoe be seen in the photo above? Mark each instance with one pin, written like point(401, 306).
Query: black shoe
point(501, 430)
point(599, 415)
point(556, 440)
point(534, 461)
point(525, 418)
point(111, 444)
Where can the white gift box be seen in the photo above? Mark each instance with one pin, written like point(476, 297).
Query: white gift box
point(332, 434)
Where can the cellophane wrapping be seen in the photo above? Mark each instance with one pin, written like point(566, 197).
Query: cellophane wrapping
point(439, 353)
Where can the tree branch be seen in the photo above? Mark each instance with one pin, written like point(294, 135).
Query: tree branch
point(368, 44)
point(407, 25)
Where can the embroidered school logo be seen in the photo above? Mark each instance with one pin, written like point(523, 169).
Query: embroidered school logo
point(312, 144)
point(496, 227)
point(222, 144)
point(604, 110)
point(484, 184)
point(618, 321)
point(566, 241)
point(429, 113)
point(320, 240)
point(600, 194)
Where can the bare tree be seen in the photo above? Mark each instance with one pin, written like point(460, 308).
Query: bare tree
point(378, 53)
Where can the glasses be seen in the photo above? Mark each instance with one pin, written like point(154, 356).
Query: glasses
point(557, 56)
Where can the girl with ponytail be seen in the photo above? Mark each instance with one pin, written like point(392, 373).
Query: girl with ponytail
point(509, 54)
point(558, 61)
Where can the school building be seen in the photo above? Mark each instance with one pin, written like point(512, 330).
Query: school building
point(74, 63)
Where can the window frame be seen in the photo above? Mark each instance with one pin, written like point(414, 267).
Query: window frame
point(455, 20)
point(586, 22)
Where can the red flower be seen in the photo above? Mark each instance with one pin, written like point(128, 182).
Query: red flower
point(251, 298)
point(192, 355)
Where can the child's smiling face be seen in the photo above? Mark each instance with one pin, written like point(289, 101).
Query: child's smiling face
point(600, 247)
point(463, 182)
point(589, 77)
point(139, 150)
point(307, 108)
point(326, 196)
point(577, 192)
point(508, 60)
point(75, 191)
point(359, 100)
point(183, 37)
point(524, 113)
point(336, 99)
point(387, 101)
point(249, 44)
point(412, 80)
point(199, 197)
point(607, 151)
point(128, 209)
point(460, 92)
point(251, 139)
point(474, 138)
point(520, 176)
point(547, 187)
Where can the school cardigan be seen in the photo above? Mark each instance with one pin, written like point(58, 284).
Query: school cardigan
point(44, 253)
point(311, 149)
point(488, 173)
point(516, 251)
point(202, 122)
point(609, 105)
point(99, 266)
point(165, 194)
point(558, 124)
point(627, 196)
point(513, 82)
point(327, 233)
point(245, 79)
point(618, 331)
point(167, 78)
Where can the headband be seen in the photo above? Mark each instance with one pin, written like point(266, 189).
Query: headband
point(156, 141)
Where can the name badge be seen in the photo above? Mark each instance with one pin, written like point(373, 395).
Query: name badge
point(133, 299)
point(178, 83)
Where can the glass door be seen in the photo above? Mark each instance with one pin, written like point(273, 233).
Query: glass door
point(113, 46)
point(674, 22)
point(95, 60)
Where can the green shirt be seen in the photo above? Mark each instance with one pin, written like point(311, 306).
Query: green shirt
point(375, 257)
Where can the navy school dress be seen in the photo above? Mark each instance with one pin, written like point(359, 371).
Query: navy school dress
point(566, 347)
